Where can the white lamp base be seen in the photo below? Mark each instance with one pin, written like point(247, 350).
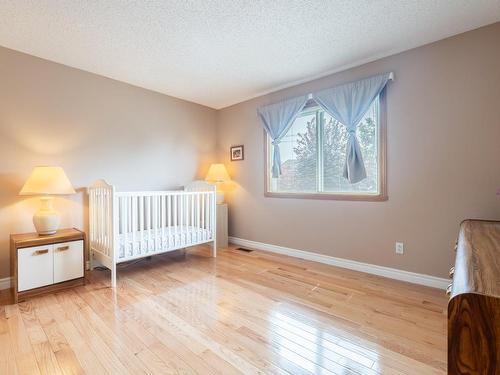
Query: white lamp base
point(46, 219)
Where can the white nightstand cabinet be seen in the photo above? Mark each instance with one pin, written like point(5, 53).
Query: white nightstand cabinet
point(222, 240)
point(43, 264)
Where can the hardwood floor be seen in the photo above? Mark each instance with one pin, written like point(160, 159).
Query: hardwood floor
point(239, 313)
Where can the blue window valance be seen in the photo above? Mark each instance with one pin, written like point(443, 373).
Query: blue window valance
point(347, 103)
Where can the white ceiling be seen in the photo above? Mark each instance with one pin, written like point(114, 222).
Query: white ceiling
point(221, 52)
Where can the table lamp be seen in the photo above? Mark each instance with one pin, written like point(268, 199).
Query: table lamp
point(217, 174)
point(47, 181)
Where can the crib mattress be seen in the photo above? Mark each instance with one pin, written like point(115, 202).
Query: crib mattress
point(160, 240)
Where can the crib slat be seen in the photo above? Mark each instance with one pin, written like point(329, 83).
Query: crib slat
point(122, 223)
point(97, 223)
point(158, 224)
point(169, 213)
point(198, 219)
point(155, 232)
point(175, 214)
point(147, 213)
point(153, 223)
point(130, 223)
point(103, 219)
point(195, 220)
point(141, 223)
point(134, 223)
point(212, 215)
point(203, 214)
point(191, 218)
point(209, 216)
point(162, 219)
point(101, 223)
point(185, 222)
point(182, 218)
point(96, 218)
point(91, 216)
point(107, 224)
point(188, 218)
point(126, 218)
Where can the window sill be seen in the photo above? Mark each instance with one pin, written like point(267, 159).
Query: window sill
point(330, 196)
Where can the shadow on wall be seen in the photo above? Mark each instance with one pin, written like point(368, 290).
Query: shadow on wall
point(10, 185)
point(11, 204)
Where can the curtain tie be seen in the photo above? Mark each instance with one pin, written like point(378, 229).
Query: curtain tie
point(351, 131)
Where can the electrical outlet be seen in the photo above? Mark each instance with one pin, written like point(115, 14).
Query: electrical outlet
point(400, 249)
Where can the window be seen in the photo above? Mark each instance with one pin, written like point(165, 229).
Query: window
point(313, 154)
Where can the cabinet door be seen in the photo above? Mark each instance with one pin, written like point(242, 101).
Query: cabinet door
point(34, 267)
point(68, 261)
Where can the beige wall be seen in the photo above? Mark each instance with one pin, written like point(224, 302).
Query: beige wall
point(443, 161)
point(93, 127)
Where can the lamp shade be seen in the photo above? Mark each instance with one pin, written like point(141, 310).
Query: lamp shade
point(217, 173)
point(47, 180)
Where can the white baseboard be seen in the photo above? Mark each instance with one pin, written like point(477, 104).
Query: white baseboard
point(392, 273)
point(5, 283)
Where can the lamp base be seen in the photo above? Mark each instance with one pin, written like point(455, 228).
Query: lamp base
point(46, 219)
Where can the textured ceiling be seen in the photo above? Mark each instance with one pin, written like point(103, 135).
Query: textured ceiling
point(222, 52)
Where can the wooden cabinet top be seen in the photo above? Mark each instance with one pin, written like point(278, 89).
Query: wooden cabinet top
point(477, 264)
point(34, 239)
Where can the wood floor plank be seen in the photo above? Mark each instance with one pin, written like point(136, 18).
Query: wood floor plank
point(240, 313)
point(47, 362)
point(65, 356)
point(19, 341)
point(8, 363)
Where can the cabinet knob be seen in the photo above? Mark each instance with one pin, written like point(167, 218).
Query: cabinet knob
point(448, 289)
point(452, 272)
point(63, 248)
point(40, 252)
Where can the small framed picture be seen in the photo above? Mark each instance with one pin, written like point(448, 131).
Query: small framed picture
point(237, 153)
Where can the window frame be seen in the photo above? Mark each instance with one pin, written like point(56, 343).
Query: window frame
point(382, 162)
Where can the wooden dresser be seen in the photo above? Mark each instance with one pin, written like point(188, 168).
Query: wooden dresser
point(474, 306)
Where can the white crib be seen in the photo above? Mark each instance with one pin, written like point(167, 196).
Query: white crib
point(132, 225)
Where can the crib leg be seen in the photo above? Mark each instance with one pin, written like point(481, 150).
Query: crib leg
point(91, 260)
point(113, 276)
point(214, 249)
